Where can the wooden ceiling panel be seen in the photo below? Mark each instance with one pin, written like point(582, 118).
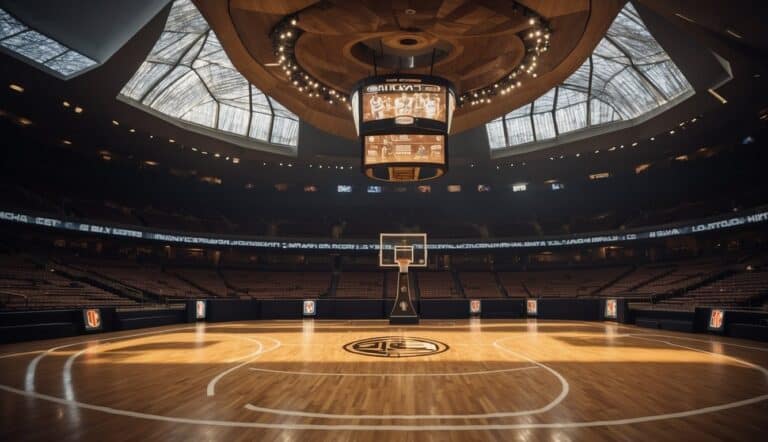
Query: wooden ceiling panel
point(478, 39)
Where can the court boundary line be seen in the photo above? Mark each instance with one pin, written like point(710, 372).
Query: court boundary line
point(210, 390)
point(468, 373)
point(354, 427)
point(564, 390)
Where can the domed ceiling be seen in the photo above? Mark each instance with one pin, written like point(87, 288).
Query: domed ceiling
point(476, 45)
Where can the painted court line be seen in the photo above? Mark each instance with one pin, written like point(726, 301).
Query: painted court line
point(411, 427)
point(211, 389)
point(465, 373)
point(563, 393)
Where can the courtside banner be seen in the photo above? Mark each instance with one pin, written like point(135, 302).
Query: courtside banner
point(475, 306)
point(309, 308)
point(199, 309)
point(726, 221)
point(532, 307)
point(610, 309)
point(716, 320)
point(92, 319)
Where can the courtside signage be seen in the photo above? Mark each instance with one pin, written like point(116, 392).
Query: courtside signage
point(92, 319)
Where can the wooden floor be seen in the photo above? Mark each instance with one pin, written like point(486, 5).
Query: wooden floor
point(294, 381)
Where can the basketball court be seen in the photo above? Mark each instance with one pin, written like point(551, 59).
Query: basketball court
point(367, 380)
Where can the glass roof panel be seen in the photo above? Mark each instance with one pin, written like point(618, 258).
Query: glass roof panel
point(519, 130)
point(187, 76)
point(628, 75)
point(40, 50)
point(495, 131)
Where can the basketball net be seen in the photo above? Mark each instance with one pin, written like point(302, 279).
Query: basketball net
point(403, 263)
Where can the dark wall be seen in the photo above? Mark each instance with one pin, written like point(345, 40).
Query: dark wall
point(32, 325)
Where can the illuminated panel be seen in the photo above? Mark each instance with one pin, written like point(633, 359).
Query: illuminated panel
point(474, 306)
point(716, 320)
point(199, 309)
point(532, 307)
point(610, 309)
point(399, 149)
point(406, 100)
point(92, 319)
point(309, 308)
point(758, 215)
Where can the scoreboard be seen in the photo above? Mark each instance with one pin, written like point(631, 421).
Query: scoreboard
point(403, 122)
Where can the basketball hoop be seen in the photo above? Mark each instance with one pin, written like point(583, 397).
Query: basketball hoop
point(403, 263)
point(403, 250)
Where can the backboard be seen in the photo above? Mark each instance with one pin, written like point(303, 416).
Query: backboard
point(394, 248)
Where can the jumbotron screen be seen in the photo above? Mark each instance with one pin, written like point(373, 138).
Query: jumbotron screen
point(394, 100)
point(404, 148)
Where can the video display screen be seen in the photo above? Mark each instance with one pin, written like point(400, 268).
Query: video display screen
point(404, 148)
point(392, 100)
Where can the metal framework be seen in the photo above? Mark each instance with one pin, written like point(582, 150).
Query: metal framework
point(628, 75)
point(188, 78)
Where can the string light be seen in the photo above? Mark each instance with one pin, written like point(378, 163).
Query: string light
point(284, 37)
point(536, 41)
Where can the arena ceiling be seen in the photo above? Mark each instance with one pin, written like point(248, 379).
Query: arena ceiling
point(208, 79)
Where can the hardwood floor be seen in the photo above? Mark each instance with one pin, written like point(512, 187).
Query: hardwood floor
point(294, 380)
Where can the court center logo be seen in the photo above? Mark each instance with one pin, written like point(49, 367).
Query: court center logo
point(396, 347)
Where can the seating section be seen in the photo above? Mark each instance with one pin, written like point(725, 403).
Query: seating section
point(730, 291)
point(479, 285)
point(360, 285)
point(685, 275)
point(145, 278)
point(24, 284)
point(267, 285)
point(437, 285)
point(635, 279)
point(207, 279)
point(558, 283)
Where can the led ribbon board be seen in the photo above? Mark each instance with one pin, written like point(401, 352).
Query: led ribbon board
point(403, 121)
point(754, 216)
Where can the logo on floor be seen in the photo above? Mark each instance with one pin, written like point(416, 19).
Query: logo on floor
point(395, 347)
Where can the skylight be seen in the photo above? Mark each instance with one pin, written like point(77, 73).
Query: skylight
point(188, 78)
point(628, 75)
point(39, 50)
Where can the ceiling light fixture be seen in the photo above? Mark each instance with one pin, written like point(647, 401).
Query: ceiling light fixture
point(733, 33)
point(719, 97)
